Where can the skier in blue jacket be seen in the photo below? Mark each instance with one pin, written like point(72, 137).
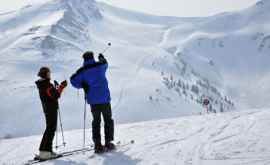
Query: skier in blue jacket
point(92, 78)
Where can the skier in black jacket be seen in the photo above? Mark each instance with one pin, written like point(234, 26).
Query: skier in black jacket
point(49, 96)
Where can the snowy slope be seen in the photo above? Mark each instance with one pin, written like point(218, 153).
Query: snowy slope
point(33, 37)
point(160, 67)
point(60, 45)
point(224, 139)
point(237, 44)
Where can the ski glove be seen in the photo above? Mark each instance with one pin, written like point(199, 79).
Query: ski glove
point(62, 87)
point(64, 84)
point(101, 58)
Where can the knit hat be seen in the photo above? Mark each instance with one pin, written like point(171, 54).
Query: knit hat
point(88, 55)
point(43, 72)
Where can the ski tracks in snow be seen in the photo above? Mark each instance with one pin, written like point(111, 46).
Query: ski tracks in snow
point(238, 138)
point(197, 144)
point(213, 135)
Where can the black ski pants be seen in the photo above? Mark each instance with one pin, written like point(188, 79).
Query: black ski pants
point(105, 111)
point(51, 125)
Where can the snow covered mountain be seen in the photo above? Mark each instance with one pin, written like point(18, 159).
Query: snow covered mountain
point(160, 67)
point(223, 139)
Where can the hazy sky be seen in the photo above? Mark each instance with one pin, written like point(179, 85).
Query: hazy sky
point(184, 8)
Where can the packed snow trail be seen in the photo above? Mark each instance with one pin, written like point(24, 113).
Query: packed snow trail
point(239, 138)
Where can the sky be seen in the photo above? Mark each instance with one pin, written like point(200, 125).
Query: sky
point(181, 8)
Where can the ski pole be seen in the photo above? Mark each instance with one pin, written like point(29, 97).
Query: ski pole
point(56, 84)
point(56, 137)
point(62, 130)
point(60, 121)
point(84, 121)
point(107, 48)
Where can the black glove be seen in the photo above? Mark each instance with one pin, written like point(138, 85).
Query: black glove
point(85, 86)
point(101, 58)
point(56, 84)
point(64, 83)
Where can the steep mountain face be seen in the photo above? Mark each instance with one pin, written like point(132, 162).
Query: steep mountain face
point(237, 46)
point(49, 28)
point(160, 67)
point(69, 32)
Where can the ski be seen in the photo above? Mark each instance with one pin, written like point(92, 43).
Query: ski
point(117, 146)
point(78, 151)
point(63, 154)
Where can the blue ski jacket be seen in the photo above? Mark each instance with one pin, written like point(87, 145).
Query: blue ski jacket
point(92, 78)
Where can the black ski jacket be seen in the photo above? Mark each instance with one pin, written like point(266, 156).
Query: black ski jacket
point(49, 94)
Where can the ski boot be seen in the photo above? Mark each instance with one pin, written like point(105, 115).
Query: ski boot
point(46, 155)
point(110, 146)
point(99, 148)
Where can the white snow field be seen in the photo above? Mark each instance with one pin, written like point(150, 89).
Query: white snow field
point(160, 70)
point(160, 67)
point(232, 138)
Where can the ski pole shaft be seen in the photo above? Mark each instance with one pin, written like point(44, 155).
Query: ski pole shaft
point(107, 48)
point(56, 137)
point(62, 130)
point(84, 122)
point(56, 132)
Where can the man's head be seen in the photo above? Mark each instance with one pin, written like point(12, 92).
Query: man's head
point(88, 56)
point(44, 72)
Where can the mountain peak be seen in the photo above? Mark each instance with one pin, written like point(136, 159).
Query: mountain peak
point(86, 3)
point(87, 9)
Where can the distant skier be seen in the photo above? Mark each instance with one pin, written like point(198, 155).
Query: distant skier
point(206, 103)
point(49, 96)
point(92, 78)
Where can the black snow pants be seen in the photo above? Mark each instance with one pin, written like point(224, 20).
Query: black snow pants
point(51, 125)
point(106, 112)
